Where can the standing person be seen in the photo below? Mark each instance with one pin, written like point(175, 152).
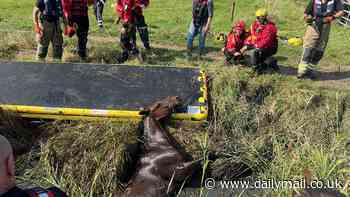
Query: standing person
point(8, 186)
point(262, 42)
point(98, 10)
point(126, 14)
point(202, 14)
point(318, 16)
point(46, 18)
point(76, 15)
point(234, 43)
point(140, 23)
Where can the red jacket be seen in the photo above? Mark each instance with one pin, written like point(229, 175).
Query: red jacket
point(74, 8)
point(234, 42)
point(263, 36)
point(125, 8)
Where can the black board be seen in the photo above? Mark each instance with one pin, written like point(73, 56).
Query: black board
point(91, 86)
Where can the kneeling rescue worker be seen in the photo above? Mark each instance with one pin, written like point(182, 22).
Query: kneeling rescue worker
point(234, 43)
point(126, 13)
point(262, 42)
point(8, 186)
point(318, 16)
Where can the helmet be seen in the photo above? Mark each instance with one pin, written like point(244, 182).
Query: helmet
point(261, 12)
point(240, 25)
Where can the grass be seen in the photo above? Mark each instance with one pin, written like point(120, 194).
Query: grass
point(274, 124)
point(86, 159)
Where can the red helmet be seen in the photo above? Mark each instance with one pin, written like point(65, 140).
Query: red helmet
point(240, 25)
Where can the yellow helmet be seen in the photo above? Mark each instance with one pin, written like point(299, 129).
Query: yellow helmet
point(261, 12)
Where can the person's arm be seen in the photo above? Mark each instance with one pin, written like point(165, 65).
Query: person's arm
point(210, 15)
point(339, 9)
point(309, 8)
point(36, 13)
point(339, 12)
point(268, 36)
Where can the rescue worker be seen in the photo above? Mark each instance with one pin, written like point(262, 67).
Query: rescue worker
point(126, 13)
point(140, 23)
point(202, 14)
point(98, 10)
point(318, 15)
point(8, 186)
point(46, 18)
point(262, 42)
point(77, 19)
point(234, 43)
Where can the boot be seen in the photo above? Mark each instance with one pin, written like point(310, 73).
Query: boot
point(309, 74)
point(189, 54)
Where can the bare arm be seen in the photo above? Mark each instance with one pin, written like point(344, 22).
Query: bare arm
point(339, 14)
point(207, 26)
point(36, 13)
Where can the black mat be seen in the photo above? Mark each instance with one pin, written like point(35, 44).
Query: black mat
point(94, 86)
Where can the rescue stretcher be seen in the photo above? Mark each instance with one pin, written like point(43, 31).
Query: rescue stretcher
point(93, 92)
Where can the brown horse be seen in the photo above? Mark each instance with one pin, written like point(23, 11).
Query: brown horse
point(162, 167)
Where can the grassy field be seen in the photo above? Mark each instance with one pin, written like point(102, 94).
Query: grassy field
point(275, 124)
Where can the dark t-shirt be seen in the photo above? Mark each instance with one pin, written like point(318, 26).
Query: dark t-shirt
point(339, 6)
point(15, 192)
point(18, 192)
point(50, 12)
point(202, 16)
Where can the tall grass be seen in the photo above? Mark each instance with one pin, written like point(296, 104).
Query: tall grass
point(87, 159)
point(278, 128)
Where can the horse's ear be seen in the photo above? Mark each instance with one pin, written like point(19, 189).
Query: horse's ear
point(144, 112)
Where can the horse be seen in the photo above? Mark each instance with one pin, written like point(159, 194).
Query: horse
point(162, 167)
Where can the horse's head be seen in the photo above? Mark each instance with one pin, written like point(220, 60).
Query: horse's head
point(163, 108)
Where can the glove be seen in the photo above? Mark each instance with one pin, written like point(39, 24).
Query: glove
point(328, 19)
point(69, 31)
point(308, 19)
point(38, 29)
point(236, 54)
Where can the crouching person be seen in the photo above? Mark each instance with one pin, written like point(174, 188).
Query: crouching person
point(262, 43)
point(8, 186)
point(46, 17)
point(126, 13)
point(234, 43)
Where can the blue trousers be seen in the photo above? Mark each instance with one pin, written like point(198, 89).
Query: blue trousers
point(192, 33)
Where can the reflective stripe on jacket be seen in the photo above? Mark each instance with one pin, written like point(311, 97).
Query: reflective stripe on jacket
point(321, 10)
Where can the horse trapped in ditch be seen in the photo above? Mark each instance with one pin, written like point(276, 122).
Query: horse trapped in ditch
point(162, 168)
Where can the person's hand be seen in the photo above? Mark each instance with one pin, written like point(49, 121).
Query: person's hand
point(223, 49)
point(244, 49)
point(206, 29)
point(328, 19)
point(237, 54)
point(308, 19)
point(38, 30)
